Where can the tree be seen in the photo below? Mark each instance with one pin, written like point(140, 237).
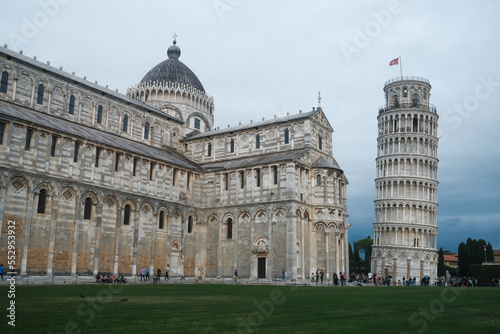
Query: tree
point(481, 245)
point(365, 246)
point(352, 261)
point(490, 255)
point(441, 268)
point(464, 259)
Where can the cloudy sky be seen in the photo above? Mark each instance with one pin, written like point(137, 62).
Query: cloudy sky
point(265, 58)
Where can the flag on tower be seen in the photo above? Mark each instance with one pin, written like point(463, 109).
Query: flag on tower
point(394, 62)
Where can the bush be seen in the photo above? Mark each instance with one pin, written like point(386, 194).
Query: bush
point(484, 274)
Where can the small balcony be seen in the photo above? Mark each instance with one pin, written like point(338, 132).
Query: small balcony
point(408, 106)
point(407, 78)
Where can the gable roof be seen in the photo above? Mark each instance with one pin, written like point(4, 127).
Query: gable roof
point(253, 125)
point(255, 160)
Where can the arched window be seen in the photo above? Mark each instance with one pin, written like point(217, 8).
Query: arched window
point(5, 82)
point(405, 92)
point(39, 99)
point(126, 215)
point(99, 114)
point(125, 123)
point(42, 199)
point(146, 130)
point(229, 228)
point(287, 136)
point(190, 224)
point(257, 141)
point(87, 211)
point(161, 220)
point(71, 109)
point(318, 180)
point(414, 100)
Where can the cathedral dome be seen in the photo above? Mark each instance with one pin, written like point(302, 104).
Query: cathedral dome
point(172, 70)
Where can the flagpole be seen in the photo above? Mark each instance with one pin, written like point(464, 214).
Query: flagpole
point(401, 67)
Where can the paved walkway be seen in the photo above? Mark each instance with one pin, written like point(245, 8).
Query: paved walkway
point(31, 280)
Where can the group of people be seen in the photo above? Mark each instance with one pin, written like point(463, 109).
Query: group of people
point(319, 275)
point(110, 278)
point(145, 274)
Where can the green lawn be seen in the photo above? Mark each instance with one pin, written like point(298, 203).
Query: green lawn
point(228, 308)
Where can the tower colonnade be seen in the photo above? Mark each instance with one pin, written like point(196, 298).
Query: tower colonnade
point(405, 224)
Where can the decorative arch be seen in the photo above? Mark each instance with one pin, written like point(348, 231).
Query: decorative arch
point(213, 219)
point(279, 214)
point(244, 217)
point(261, 244)
point(261, 216)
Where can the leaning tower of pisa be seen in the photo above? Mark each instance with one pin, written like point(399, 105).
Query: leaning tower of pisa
point(405, 229)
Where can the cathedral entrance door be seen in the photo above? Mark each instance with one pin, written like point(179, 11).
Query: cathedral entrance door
point(261, 267)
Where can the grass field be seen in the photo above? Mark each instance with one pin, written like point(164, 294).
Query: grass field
point(207, 308)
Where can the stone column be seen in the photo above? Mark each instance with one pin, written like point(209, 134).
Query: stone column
point(119, 219)
point(32, 95)
point(135, 238)
point(408, 267)
point(74, 254)
point(327, 255)
point(337, 250)
point(49, 100)
point(29, 217)
point(3, 195)
point(53, 224)
point(97, 238)
point(421, 269)
point(395, 270)
point(14, 88)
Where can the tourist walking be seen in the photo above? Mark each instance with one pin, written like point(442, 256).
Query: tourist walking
point(147, 274)
point(166, 275)
point(321, 275)
point(1, 271)
point(158, 274)
point(236, 275)
point(143, 273)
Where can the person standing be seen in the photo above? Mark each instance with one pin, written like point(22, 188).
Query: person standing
point(236, 275)
point(317, 276)
point(283, 275)
point(143, 273)
point(158, 274)
point(321, 275)
point(147, 274)
point(166, 275)
point(1, 271)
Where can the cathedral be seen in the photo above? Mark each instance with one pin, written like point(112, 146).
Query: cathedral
point(95, 181)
